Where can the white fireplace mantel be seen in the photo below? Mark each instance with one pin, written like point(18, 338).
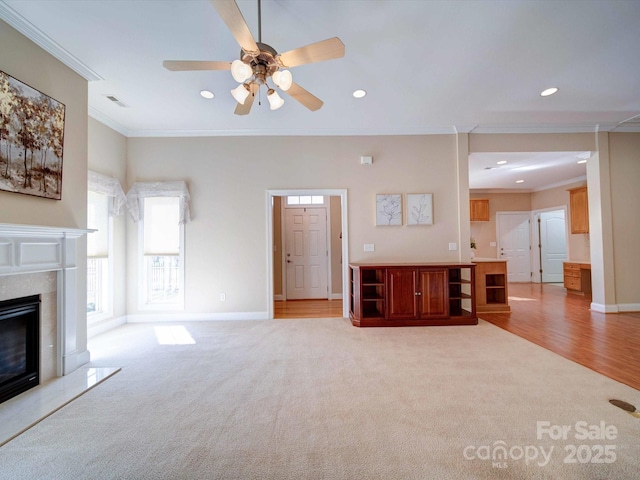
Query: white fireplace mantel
point(32, 249)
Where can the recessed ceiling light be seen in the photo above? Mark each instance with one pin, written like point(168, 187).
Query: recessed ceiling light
point(359, 93)
point(519, 181)
point(584, 160)
point(501, 162)
point(549, 91)
point(206, 94)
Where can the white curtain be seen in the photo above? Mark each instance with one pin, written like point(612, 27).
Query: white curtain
point(159, 189)
point(110, 187)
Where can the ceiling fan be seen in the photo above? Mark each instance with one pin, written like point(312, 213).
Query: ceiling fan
point(258, 62)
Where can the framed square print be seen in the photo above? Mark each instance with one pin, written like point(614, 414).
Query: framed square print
point(419, 209)
point(389, 209)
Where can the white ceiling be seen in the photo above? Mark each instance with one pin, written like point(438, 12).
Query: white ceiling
point(427, 66)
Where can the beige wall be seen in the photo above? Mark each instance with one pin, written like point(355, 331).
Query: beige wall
point(228, 178)
point(27, 62)
point(624, 150)
point(108, 155)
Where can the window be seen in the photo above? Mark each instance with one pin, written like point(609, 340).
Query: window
point(305, 200)
point(162, 260)
point(98, 248)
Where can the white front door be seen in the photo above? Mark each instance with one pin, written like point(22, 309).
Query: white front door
point(514, 244)
point(553, 245)
point(306, 252)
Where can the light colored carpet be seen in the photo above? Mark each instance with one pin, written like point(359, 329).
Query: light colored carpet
point(320, 399)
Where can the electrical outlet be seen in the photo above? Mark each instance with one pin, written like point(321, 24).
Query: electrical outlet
point(453, 246)
point(223, 297)
point(369, 247)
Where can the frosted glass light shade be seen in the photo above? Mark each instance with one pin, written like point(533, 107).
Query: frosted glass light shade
point(240, 93)
point(274, 99)
point(283, 79)
point(240, 71)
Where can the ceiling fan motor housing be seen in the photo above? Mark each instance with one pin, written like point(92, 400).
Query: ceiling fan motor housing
point(265, 63)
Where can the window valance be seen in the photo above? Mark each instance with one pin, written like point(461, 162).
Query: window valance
point(109, 186)
point(159, 189)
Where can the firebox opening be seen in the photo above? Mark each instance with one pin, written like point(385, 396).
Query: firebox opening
point(19, 346)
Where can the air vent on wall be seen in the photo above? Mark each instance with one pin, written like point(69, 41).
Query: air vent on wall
point(116, 100)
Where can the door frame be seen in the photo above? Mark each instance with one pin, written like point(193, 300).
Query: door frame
point(328, 192)
point(283, 227)
point(535, 259)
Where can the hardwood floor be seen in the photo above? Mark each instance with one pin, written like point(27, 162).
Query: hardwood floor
point(308, 309)
point(547, 316)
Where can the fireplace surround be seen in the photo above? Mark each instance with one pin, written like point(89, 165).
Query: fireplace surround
point(27, 249)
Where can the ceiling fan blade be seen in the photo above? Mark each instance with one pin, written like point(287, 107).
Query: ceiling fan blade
point(307, 99)
point(315, 52)
point(245, 108)
point(189, 65)
point(230, 13)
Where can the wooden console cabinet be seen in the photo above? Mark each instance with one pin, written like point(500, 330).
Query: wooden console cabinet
point(387, 295)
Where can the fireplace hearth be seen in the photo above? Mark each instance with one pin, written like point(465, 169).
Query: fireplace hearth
point(19, 345)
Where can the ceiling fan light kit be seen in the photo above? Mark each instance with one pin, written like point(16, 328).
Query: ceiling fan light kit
point(275, 101)
point(241, 92)
point(258, 62)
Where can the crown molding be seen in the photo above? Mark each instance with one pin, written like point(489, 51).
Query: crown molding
point(102, 118)
point(569, 181)
point(569, 128)
point(38, 37)
point(290, 132)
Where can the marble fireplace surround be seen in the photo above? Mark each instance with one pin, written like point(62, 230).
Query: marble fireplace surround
point(34, 249)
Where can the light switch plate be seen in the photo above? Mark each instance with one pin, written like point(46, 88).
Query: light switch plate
point(453, 246)
point(369, 247)
point(493, 244)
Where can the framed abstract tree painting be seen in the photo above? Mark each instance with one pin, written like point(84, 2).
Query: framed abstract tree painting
point(31, 140)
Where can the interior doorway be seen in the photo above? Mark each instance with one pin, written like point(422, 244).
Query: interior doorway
point(336, 249)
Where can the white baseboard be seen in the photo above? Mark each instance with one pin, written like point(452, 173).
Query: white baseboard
point(278, 298)
point(629, 307)
point(105, 326)
point(83, 358)
point(195, 317)
point(599, 307)
point(335, 296)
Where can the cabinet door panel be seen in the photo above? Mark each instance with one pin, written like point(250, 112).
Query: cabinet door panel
point(434, 294)
point(401, 293)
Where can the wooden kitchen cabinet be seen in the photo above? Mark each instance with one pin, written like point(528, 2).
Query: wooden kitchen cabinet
point(577, 277)
point(492, 293)
point(412, 294)
point(479, 210)
point(579, 207)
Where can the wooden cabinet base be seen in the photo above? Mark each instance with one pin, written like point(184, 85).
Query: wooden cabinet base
point(370, 322)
